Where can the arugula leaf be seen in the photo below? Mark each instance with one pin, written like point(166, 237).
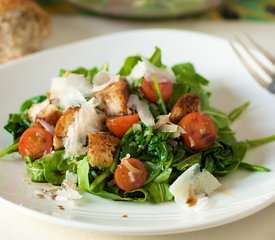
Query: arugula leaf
point(35, 169)
point(128, 65)
point(86, 72)
point(135, 141)
point(238, 111)
point(261, 141)
point(10, 149)
point(155, 59)
point(188, 161)
point(221, 119)
point(254, 167)
point(51, 169)
point(159, 96)
point(188, 81)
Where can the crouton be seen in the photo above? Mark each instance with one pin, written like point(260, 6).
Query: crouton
point(114, 98)
point(50, 114)
point(185, 104)
point(61, 127)
point(101, 148)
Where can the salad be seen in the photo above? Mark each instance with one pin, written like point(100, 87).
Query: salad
point(146, 133)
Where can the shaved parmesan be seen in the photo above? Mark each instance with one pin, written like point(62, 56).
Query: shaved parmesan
point(37, 108)
point(165, 125)
point(137, 72)
point(131, 176)
point(68, 190)
point(103, 79)
point(142, 109)
point(129, 166)
point(147, 70)
point(190, 190)
point(70, 90)
point(86, 120)
point(162, 120)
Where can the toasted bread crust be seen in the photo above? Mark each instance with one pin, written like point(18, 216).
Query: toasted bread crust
point(101, 148)
point(114, 98)
point(185, 104)
point(50, 114)
point(61, 127)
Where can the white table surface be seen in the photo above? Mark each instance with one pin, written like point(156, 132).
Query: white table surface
point(16, 225)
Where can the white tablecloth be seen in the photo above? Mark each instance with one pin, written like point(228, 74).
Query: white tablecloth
point(66, 29)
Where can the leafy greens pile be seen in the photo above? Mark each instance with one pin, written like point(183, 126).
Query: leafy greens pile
point(165, 157)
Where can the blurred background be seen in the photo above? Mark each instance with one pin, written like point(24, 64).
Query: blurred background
point(30, 25)
point(263, 10)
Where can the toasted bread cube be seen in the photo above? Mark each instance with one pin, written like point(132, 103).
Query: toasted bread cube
point(114, 98)
point(187, 103)
point(49, 114)
point(61, 127)
point(101, 148)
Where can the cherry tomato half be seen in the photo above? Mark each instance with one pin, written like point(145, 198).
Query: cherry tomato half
point(200, 131)
point(130, 178)
point(166, 88)
point(35, 142)
point(120, 125)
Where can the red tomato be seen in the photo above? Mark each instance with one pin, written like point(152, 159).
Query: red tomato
point(200, 131)
point(35, 142)
point(130, 174)
point(120, 125)
point(166, 88)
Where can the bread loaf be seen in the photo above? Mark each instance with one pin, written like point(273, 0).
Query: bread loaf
point(23, 26)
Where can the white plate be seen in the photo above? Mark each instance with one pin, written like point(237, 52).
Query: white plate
point(243, 193)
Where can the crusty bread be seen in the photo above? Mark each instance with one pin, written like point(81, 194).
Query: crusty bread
point(23, 26)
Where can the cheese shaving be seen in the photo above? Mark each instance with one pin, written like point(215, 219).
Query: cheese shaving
point(191, 188)
point(86, 120)
point(129, 166)
point(142, 109)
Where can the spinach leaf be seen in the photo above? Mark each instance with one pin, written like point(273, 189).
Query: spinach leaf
point(17, 124)
point(28, 103)
point(55, 167)
point(138, 195)
point(83, 175)
point(158, 192)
